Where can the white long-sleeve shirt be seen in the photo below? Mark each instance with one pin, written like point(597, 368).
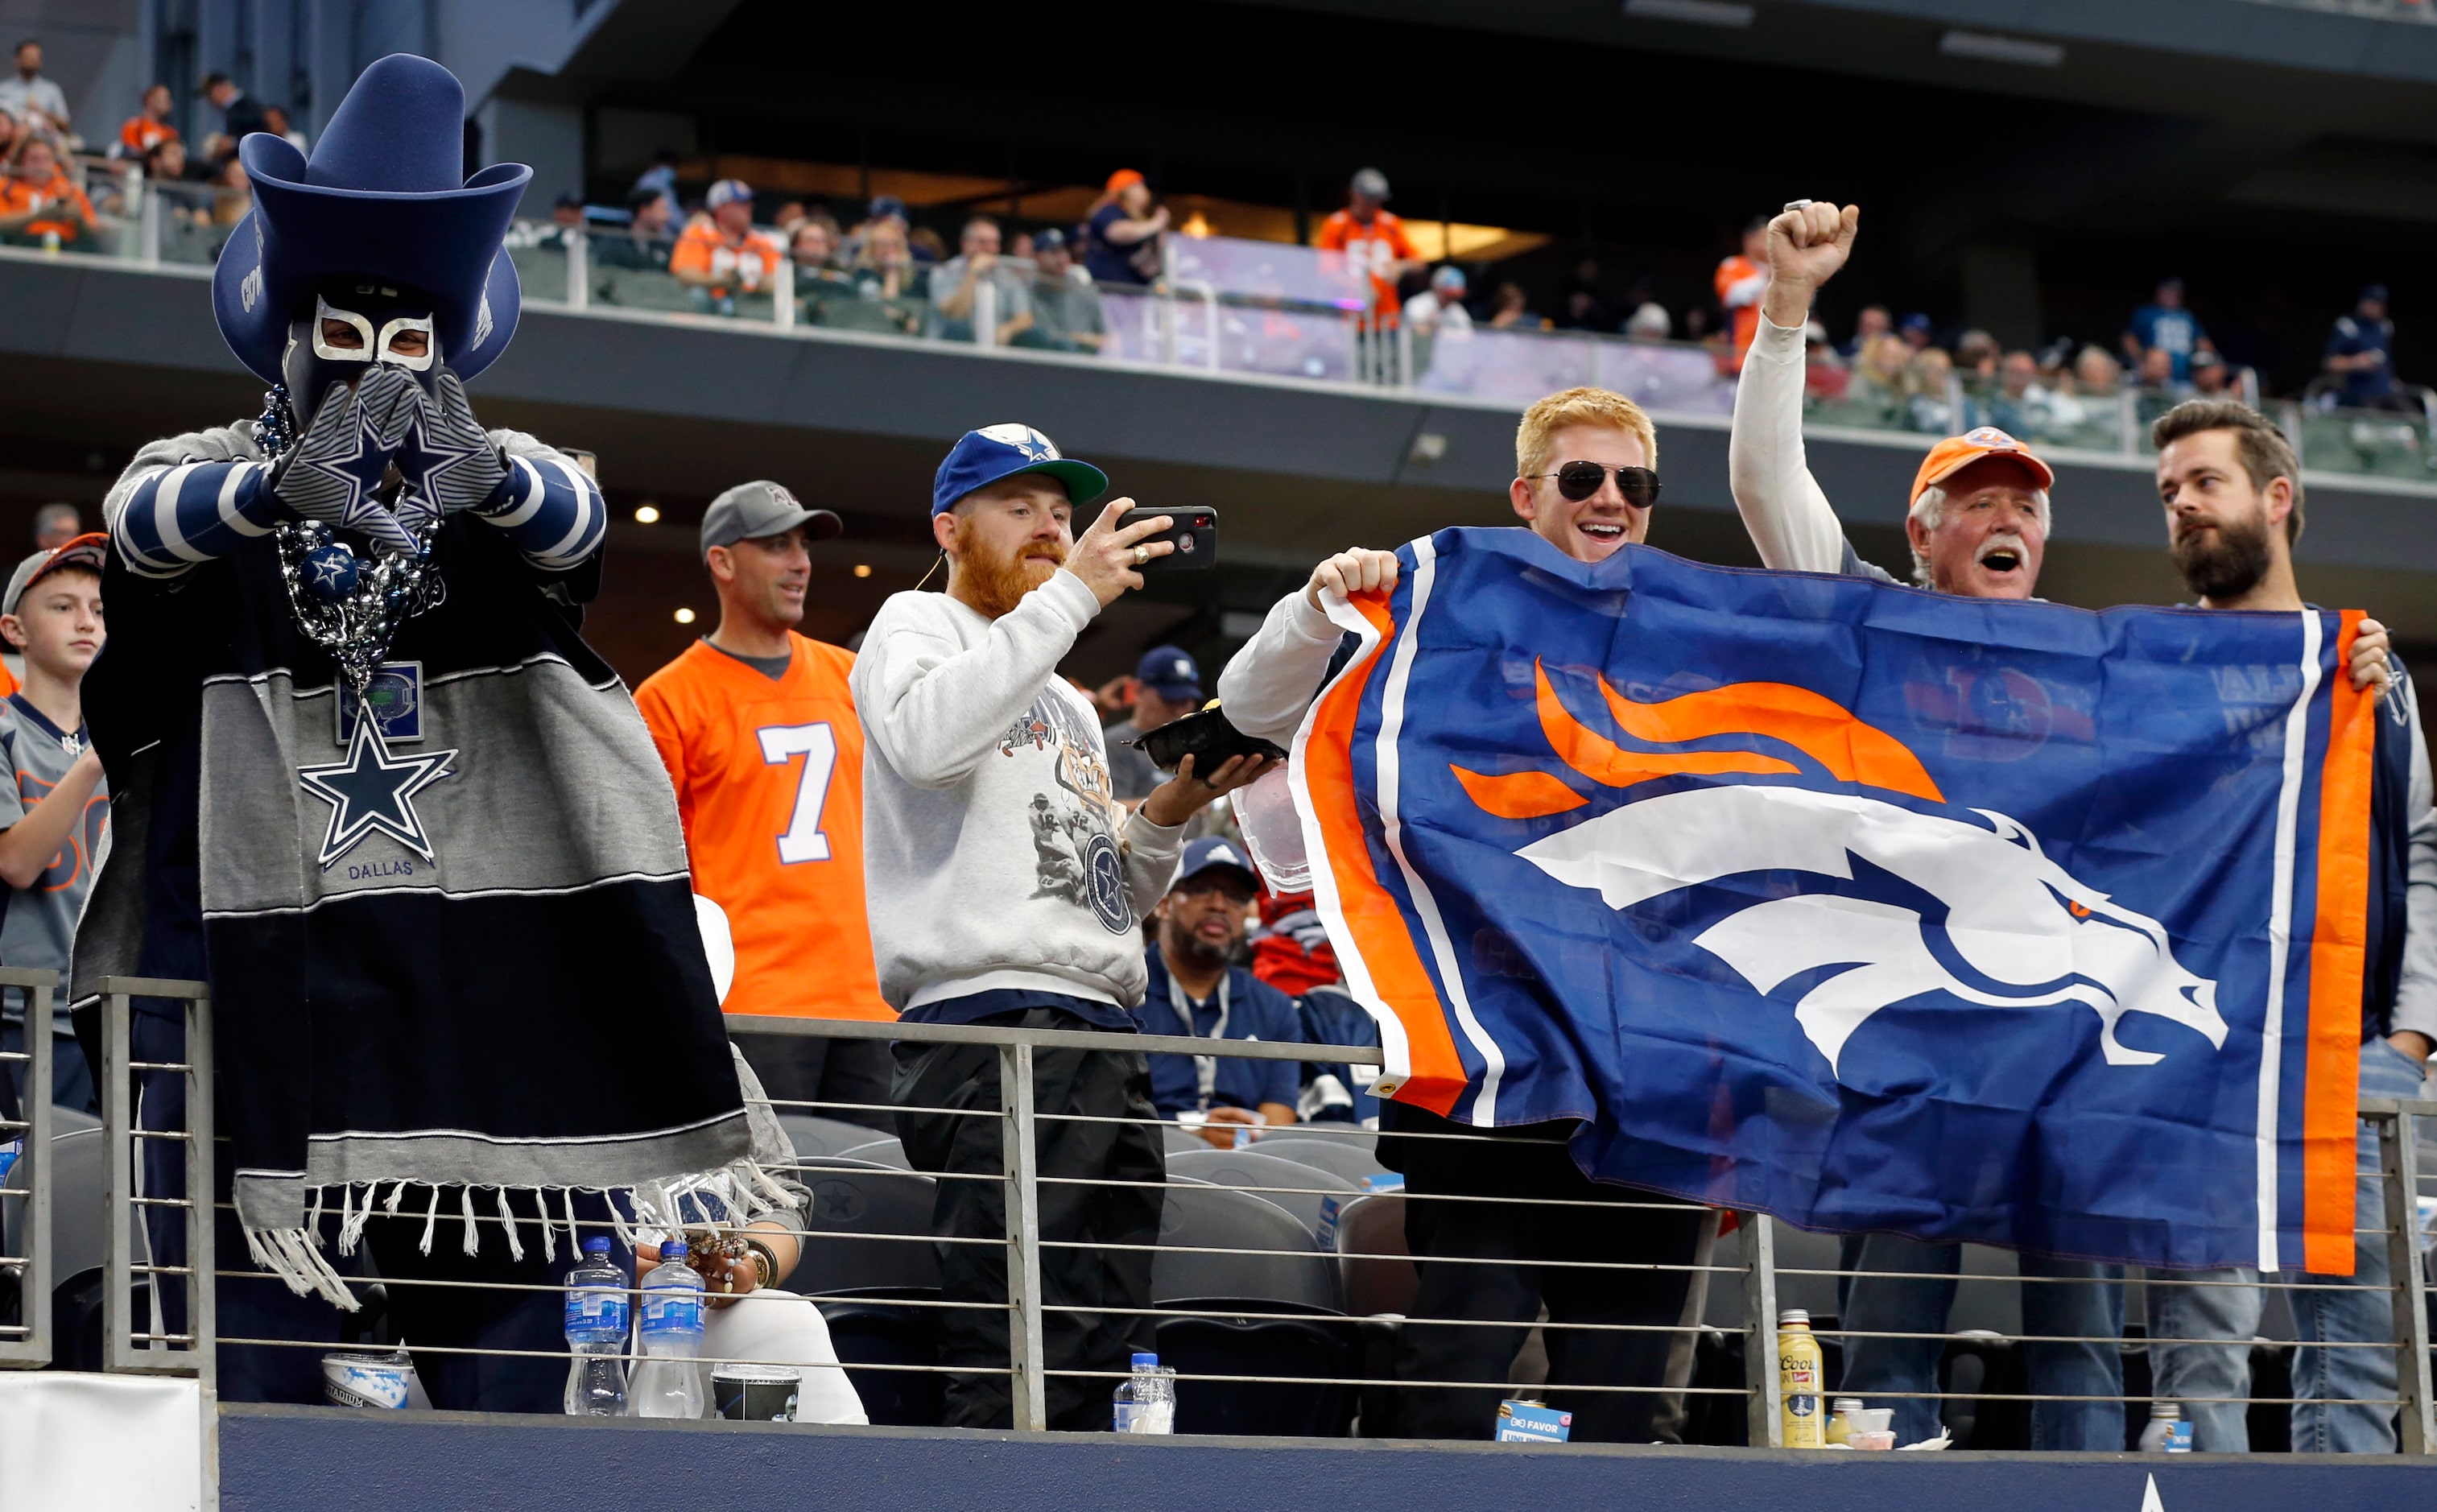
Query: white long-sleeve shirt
point(994, 858)
point(1273, 678)
point(1783, 505)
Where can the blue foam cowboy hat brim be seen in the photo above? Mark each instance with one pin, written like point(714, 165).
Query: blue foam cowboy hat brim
point(383, 196)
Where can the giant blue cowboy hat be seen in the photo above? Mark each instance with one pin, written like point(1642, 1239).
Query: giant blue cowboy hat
point(384, 197)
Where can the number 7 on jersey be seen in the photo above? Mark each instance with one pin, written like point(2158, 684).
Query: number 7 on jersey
point(817, 745)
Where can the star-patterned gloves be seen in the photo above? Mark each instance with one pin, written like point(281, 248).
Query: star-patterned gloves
point(448, 460)
point(334, 472)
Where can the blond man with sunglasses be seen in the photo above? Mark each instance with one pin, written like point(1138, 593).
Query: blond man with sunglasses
point(1586, 481)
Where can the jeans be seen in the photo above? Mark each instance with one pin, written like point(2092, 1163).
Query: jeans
point(72, 1080)
point(1910, 1288)
point(2331, 1383)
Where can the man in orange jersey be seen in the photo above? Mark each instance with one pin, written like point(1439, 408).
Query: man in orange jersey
point(757, 731)
point(720, 255)
point(1741, 280)
point(1373, 241)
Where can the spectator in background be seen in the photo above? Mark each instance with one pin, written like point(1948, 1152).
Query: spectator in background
point(647, 242)
point(1738, 281)
point(274, 120)
point(2097, 373)
point(1510, 311)
point(1122, 232)
point(29, 96)
point(2165, 325)
point(1976, 355)
point(1649, 323)
point(1020, 245)
point(1824, 374)
point(884, 274)
point(1196, 991)
point(1873, 320)
point(790, 216)
point(1928, 404)
point(1066, 314)
point(148, 126)
point(820, 283)
point(233, 194)
point(1166, 687)
point(2360, 351)
point(55, 525)
point(1879, 372)
point(884, 209)
point(1441, 305)
point(928, 249)
point(565, 225)
point(1372, 240)
point(956, 285)
point(2211, 378)
point(240, 113)
point(40, 203)
point(1291, 952)
point(719, 255)
point(2019, 404)
point(1915, 330)
point(660, 178)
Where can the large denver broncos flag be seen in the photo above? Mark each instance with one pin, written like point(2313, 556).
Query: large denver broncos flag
point(1867, 907)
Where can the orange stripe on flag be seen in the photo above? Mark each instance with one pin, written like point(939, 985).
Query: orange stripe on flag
point(2338, 950)
point(1377, 926)
point(1820, 727)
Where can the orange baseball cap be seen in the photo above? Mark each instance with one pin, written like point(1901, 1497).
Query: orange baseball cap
point(1123, 178)
point(1955, 454)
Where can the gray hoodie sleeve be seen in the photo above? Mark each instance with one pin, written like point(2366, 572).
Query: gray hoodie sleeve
point(2415, 996)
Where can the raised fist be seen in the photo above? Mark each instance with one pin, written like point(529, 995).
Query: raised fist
point(334, 472)
point(1807, 245)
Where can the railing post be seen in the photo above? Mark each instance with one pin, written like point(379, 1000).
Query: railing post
point(579, 269)
point(985, 315)
point(1762, 1394)
point(34, 1172)
point(117, 1123)
point(202, 1197)
point(2398, 1172)
point(2127, 421)
point(1030, 1386)
point(782, 292)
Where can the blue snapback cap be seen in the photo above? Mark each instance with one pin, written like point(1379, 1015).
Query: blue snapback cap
point(1212, 851)
point(1169, 672)
point(983, 457)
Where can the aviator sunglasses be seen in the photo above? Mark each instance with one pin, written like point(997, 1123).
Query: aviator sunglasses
point(1578, 480)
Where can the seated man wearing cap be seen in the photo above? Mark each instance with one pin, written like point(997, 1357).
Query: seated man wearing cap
point(55, 809)
point(720, 255)
point(1065, 307)
point(756, 725)
point(1196, 990)
point(1006, 886)
point(1168, 687)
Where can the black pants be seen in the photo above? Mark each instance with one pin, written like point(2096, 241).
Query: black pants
point(812, 1068)
point(1535, 1240)
point(1075, 1221)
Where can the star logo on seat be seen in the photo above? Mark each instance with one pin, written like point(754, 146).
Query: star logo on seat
point(369, 793)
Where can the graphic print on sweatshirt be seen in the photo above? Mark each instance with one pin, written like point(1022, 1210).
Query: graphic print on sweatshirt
point(1073, 828)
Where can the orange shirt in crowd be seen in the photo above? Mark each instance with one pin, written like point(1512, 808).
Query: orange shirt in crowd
point(7, 680)
point(1374, 248)
point(142, 134)
point(746, 264)
point(769, 781)
point(1741, 282)
point(21, 196)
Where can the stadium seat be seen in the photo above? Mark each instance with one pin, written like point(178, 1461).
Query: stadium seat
point(858, 1197)
point(1980, 1370)
point(889, 1152)
point(813, 1135)
point(880, 1325)
point(1320, 1344)
point(1368, 1228)
point(1259, 1252)
point(1179, 1141)
point(1297, 1188)
point(1341, 1156)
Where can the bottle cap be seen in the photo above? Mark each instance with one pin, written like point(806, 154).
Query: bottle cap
point(2166, 1412)
point(1794, 1315)
point(1144, 1360)
point(1847, 1404)
point(673, 1249)
point(597, 1244)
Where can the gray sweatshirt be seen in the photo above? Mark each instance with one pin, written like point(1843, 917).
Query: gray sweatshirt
point(995, 858)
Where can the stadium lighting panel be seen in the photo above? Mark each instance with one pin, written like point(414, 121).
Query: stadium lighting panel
point(1989, 48)
point(1698, 12)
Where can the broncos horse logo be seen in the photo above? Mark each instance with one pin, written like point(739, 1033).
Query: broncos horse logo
point(2019, 930)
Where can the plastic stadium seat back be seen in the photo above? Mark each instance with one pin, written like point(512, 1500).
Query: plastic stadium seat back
point(882, 1328)
point(1256, 1251)
point(813, 1135)
point(1297, 1188)
point(887, 1151)
point(1371, 1256)
point(1314, 1348)
point(853, 1197)
point(1181, 1141)
point(1339, 1155)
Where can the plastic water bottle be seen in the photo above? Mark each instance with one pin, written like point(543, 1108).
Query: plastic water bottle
point(667, 1383)
point(596, 1334)
point(1146, 1403)
point(2167, 1432)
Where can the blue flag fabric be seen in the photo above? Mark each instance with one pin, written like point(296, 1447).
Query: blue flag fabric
point(1867, 907)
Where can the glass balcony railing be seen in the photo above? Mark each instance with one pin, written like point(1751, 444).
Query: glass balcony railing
point(2423, 10)
point(1270, 309)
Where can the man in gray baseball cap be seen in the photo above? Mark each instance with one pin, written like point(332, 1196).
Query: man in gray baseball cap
point(759, 510)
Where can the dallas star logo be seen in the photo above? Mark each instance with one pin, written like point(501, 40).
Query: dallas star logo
point(326, 567)
point(369, 793)
point(430, 455)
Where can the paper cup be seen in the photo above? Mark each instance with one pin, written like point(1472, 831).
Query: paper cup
point(754, 1393)
point(366, 1380)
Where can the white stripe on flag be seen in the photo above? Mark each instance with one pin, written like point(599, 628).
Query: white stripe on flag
point(2280, 938)
point(1391, 726)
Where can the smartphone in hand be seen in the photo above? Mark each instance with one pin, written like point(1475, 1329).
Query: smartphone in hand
point(1194, 532)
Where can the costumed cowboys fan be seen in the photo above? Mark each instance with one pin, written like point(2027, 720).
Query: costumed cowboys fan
point(376, 790)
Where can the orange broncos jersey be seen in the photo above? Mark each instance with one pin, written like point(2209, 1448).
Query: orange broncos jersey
point(1739, 282)
point(1370, 249)
point(769, 781)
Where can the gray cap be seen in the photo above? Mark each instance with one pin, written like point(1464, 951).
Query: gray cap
point(1370, 183)
point(752, 510)
point(88, 551)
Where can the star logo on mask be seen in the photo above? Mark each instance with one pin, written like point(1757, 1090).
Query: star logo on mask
point(369, 793)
